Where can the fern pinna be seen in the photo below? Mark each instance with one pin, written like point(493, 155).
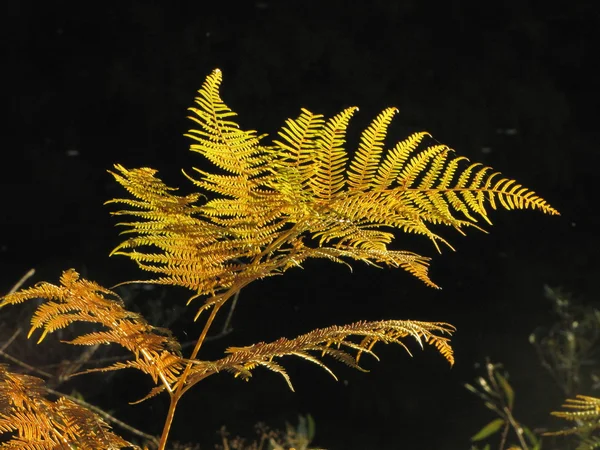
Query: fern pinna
point(268, 208)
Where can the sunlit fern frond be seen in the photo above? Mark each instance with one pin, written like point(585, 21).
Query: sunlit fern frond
point(364, 165)
point(190, 249)
point(156, 351)
point(585, 411)
point(37, 423)
point(582, 407)
point(343, 343)
point(298, 139)
point(219, 139)
point(330, 156)
point(277, 205)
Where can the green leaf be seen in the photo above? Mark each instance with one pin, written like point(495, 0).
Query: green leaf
point(532, 437)
point(491, 428)
point(311, 427)
point(494, 408)
point(509, 393)
point(487, 447)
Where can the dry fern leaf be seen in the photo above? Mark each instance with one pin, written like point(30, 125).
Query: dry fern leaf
point(37, 423)
point(301, 197)
point(583, 409)
point(343, 343)
point(156, 351)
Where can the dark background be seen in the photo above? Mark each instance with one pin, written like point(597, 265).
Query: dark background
point(511, 84)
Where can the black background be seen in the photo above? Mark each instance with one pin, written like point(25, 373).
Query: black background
point(511, 84)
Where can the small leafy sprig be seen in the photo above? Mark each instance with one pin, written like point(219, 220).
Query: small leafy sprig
point(499, 396)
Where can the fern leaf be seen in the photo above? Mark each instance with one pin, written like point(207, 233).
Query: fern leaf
point(80, 300)
point(219, 139)
point(297, 148)
point(328, 178)
point(335, 341)
point(395, 159)
point(585, 411)
point(365, 162)
point(582, 407)
point(278, 205)
point(38, 423)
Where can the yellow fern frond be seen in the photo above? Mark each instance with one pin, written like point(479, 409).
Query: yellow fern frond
point(298, 148)
point(278, 205)
point(395, 159)
point(366, 159)
point(584, 410)
point(328, 178)
point(582, 407)
point(219, 139)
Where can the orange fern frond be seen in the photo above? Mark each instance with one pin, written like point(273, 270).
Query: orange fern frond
point(156, 351)
point(38, 423)
point(338, 342)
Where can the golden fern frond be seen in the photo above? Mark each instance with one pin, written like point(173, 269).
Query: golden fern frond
point(586, 411)
point(366, 159)
point(395, 159)
point(37, 423)
point(328, 178)
point(277, 205)
point(219, 139)
point(156, 351)
point(582, 407)
point(192, 251)
point(335, 341)
point(299, 137)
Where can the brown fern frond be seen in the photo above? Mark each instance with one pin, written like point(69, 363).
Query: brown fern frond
point(156, 351)
point(343, 343)
point(38, 423)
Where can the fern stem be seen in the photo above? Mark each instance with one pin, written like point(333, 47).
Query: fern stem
point(518, 428)
point(168, 421)
point(202, 337)
point(22, 281)
point(276, 243)
point(161, 375)
point(179, 391)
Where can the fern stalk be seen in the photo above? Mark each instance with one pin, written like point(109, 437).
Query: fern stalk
point(181, 388)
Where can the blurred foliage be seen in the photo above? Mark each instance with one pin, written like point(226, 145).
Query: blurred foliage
point(298, 437)
point(499, 396)
point(568, 347)
point(293, 437)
